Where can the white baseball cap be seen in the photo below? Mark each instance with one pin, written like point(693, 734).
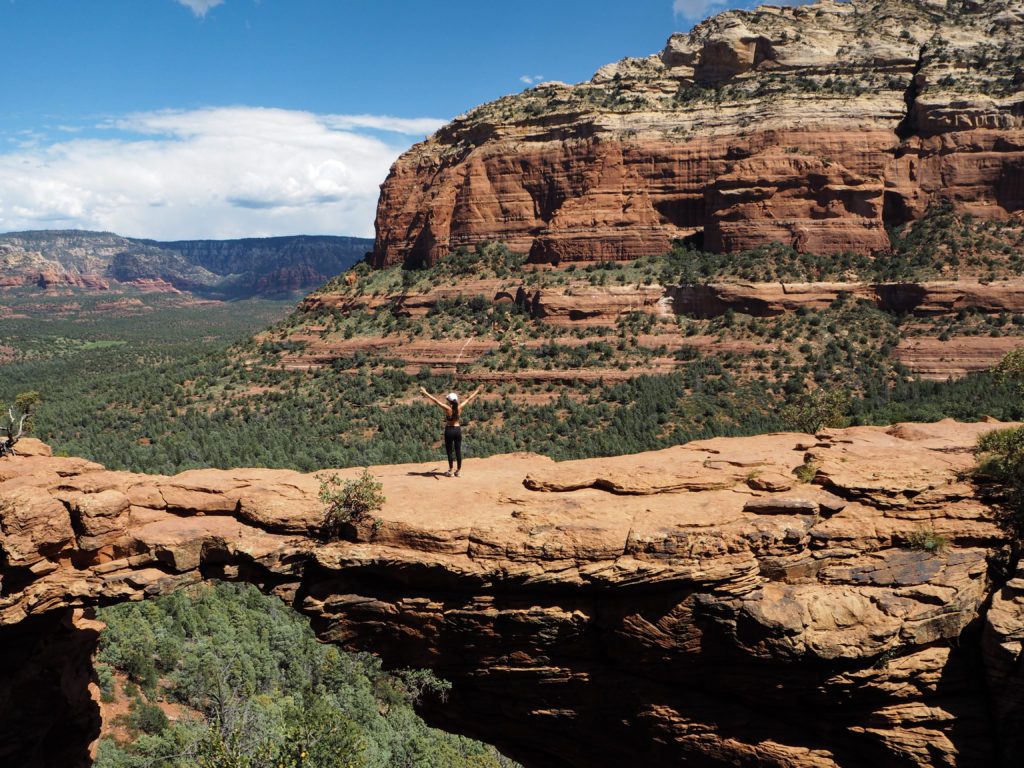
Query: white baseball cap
point(452, 397)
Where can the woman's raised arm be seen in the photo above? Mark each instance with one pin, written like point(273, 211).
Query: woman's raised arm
point(435, 400)
point(469, 399)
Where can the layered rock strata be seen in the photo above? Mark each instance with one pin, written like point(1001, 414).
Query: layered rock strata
point(581, 305)
point(816, 126)
point(699, 604)
point(603, 305)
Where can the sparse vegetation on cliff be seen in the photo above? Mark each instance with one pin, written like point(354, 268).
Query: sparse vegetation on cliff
point(1000, 453)
point(927, 540)
point(942, 244)
point(16, 421)
point(349, 503)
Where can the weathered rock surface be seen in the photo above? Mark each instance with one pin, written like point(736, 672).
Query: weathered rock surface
point(697, 604)
point(604, 305)
point(816, 126)
point(940, 360)
point(788, 197)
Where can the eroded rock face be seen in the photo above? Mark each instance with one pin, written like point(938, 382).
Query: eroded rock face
point(698, 604)
point(792, 198)
point(813, 125)
point(601, 305)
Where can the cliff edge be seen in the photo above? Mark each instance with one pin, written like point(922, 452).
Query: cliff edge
point(780, 600)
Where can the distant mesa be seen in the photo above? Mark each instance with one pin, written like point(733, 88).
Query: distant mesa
point(223, 269)
point(816, 126)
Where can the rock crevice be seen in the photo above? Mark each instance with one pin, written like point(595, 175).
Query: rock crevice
point(907, 127)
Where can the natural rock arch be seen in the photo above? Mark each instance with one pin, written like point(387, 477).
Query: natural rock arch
point(695, 604)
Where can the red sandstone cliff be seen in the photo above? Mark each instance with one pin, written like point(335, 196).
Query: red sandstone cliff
point(816, 126)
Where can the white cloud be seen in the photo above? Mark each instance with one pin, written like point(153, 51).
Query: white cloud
point(531, 79)
point(200, 7)
point(696, 9)
point(210, 173)
point(412, 127)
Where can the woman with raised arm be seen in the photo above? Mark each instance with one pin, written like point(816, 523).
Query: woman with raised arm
point(452, 428)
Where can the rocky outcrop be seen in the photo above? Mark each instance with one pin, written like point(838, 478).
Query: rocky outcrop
point(779, 196)
point(816, 126)
point(51, 278)
point(699, 604)
point(585, 304)
point(941, 360)
point(152, 285)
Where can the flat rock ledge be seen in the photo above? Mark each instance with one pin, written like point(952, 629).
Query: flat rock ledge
point(699, 605)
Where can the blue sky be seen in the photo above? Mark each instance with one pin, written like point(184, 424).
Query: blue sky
point(235, 118)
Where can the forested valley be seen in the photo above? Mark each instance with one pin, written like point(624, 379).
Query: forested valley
point(224, 677)
point(167, 406)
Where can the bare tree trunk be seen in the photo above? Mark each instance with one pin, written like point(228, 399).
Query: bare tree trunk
point(7, 443)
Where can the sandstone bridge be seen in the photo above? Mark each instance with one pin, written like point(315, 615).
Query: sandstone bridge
point(695, 606)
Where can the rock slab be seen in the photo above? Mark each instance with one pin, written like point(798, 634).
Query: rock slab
point(661, 608)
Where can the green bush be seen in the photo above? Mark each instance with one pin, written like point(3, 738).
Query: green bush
point(815, 410)
point(928, 540)
point(1000, 453)
point(148, 718)
point(1011, 367)
point(1000, 457)
point(350, 504)
point(105, 679)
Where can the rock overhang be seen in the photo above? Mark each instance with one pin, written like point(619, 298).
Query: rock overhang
point(548, 577)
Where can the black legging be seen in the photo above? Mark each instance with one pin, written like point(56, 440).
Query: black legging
point(453, 444)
